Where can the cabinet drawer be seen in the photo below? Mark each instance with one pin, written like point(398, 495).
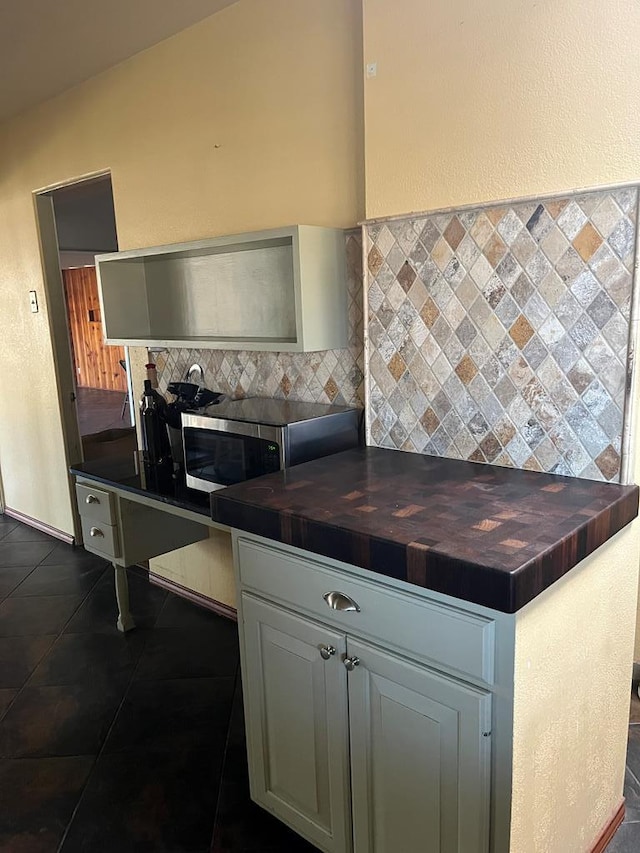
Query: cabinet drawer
point(427, 630)
point(95, 504)
point(104, 541)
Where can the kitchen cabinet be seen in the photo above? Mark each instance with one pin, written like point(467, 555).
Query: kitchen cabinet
point(355, 745)
point(283, 289)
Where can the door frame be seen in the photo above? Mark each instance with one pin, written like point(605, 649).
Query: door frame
point(53, 288)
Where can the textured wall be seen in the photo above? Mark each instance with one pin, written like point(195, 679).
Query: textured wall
point(330, 376)
point(475, 102)
point(573, 658)
point(500, 334)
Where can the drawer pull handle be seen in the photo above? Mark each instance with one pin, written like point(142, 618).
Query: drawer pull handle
point(92, 499)
point(326, 652)
point(352, 663)
point(95, 531)
point(340, 601)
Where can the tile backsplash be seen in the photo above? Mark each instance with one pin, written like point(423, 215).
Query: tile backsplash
point(501, 334)
point(331, 376)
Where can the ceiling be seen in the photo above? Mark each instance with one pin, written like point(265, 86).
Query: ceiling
point(47, 47)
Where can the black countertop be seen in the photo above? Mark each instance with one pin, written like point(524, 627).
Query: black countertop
point(495, 536)
point(130, 474)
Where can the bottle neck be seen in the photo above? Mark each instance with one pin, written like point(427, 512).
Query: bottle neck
point(152, 374)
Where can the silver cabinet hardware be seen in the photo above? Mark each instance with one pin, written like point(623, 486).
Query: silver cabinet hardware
point(352, 663)
point(92, 499)
point(340, 601)
point(95, 531)
point(327, 651)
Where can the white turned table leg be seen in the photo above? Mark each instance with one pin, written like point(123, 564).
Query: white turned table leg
point(125, 619)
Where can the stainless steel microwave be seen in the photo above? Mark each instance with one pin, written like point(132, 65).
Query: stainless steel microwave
point(255, 436)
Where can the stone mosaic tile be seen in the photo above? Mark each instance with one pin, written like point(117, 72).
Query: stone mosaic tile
point(501, 334)
point(331, 376)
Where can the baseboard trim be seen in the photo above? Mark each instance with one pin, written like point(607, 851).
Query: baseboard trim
point(195, 597)
point(39, 525)
point(610, 830)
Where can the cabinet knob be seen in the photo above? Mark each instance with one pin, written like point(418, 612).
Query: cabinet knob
point(326, 652)
point(95, 531)
point(92, 499)
point(340, 601)
point(352, 663)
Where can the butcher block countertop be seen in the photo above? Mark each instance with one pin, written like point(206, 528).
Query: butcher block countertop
point(494, 536)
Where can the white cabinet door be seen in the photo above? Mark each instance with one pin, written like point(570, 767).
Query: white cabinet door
point(420, 754)
point(297, 726)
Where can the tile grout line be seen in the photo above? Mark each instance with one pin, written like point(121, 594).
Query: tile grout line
point(106, 738)
point(9, 594)
point(26, 542)
point(82, 791)
point(631, 773)
point(50, 649)
point(237, 685)
point(52, 646)
point(96, 759)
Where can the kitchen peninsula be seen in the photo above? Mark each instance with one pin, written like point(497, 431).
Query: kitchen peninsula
point(447, 644)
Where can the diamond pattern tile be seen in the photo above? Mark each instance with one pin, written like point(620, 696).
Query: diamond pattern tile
point(333, 376)
point(501, 334)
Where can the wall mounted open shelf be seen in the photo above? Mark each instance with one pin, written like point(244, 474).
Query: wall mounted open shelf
point(282, 289)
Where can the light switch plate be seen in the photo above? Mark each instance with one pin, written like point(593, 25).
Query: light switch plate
point(33, 301)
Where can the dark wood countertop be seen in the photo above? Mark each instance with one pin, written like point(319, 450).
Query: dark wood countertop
point(494, 536)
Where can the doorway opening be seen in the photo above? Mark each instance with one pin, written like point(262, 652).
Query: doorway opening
point(84, 226)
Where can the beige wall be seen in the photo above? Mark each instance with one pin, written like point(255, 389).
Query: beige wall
point(474, 102)
point(250, 119)
point(205, 567)
point(573, 658)
point(482, 101)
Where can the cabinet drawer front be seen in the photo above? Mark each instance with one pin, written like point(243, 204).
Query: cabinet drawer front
point(95, 504)
point(100, 538)
point(427, 630)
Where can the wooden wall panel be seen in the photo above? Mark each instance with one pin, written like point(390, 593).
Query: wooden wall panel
point(97, 365)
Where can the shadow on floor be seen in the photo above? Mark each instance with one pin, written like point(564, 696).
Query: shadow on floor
point(99, 410)
point(103, 428)
point(112, 742)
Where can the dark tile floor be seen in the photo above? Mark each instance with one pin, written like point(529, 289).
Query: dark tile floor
point(135, 743)
point(113, 743)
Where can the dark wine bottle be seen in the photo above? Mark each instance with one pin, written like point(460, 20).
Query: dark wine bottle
point(152, 377)
point(156, 449)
